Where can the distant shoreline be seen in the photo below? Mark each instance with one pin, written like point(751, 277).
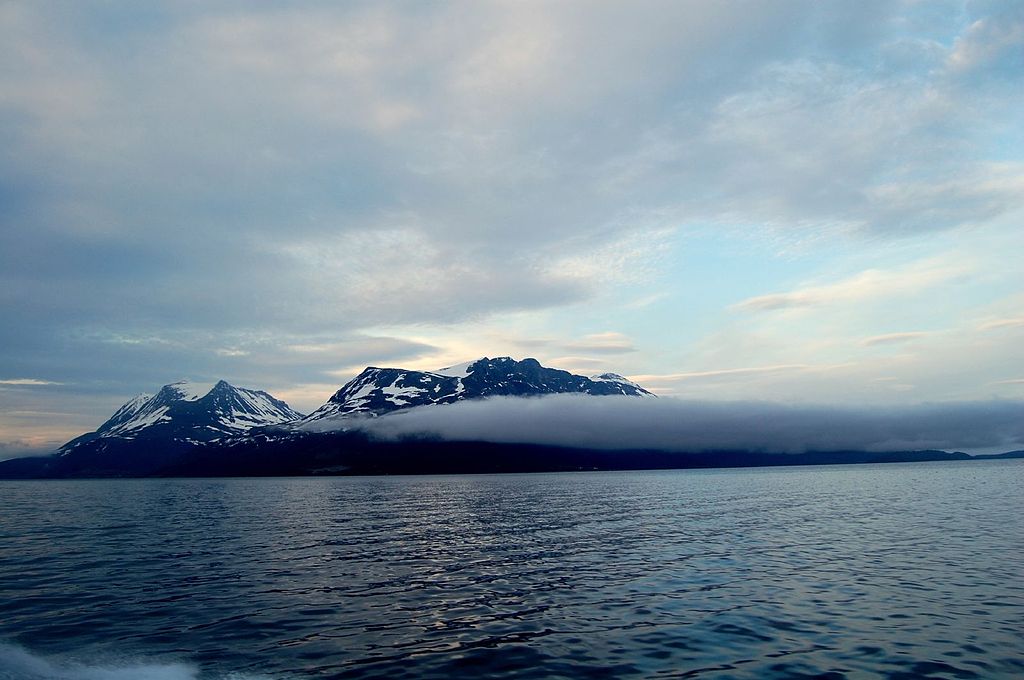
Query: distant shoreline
point(354, 454)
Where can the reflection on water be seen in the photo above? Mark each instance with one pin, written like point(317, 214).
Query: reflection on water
point(880, 571)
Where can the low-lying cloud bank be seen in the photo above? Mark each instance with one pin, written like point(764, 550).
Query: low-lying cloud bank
point(671, 424)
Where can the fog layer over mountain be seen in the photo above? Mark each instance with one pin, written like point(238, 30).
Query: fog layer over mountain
point(627, 422)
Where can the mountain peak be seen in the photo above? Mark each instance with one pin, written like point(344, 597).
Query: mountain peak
point(613, 377)
point(191, 411)
point(189, 390)
point(378, 391)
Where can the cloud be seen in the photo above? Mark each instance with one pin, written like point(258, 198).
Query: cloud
point(403, 275)
point(22, 448)
point(27, 382)
point(33, 422)
point(893, 338)
point(358, 348)
point(580, 364)
point(868, 284)
point(997, 324)
point(991, 41)
point(665, 423)
point(609, 342)
point(672, 378)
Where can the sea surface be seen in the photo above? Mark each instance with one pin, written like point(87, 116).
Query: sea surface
point(870, 571)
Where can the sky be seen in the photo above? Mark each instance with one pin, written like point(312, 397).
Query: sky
point(810, 203)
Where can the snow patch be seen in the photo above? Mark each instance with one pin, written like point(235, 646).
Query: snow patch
point(458, 370)
point(362, 393)
point(191, 391)
point(135, 404)
point(613, 378)
point(398, 394)
point(137, 423)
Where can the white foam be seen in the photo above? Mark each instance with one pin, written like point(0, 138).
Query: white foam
point(17, 663)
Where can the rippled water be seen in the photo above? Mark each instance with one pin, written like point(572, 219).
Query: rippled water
point(899, 571)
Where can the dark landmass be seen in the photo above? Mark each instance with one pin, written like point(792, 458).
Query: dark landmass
point(354, 453)
point(1009, 454)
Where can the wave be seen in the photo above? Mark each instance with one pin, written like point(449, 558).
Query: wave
point(17, 663)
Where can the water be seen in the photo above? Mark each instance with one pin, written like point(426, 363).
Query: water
point(898, 571)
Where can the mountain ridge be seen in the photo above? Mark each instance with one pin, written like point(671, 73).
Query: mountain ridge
point(187, 411)
point(378, 391)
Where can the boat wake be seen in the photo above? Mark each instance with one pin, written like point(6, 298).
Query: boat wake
point(17, 663)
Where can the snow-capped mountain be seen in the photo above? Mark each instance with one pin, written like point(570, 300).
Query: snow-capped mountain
point(191, 412)
point(190, 429)
point(377, 391)
point(125, 414)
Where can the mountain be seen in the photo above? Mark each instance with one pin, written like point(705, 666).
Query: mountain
point(184, 421)
point(186, 412)
point(379, 391)
point(190, 429)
